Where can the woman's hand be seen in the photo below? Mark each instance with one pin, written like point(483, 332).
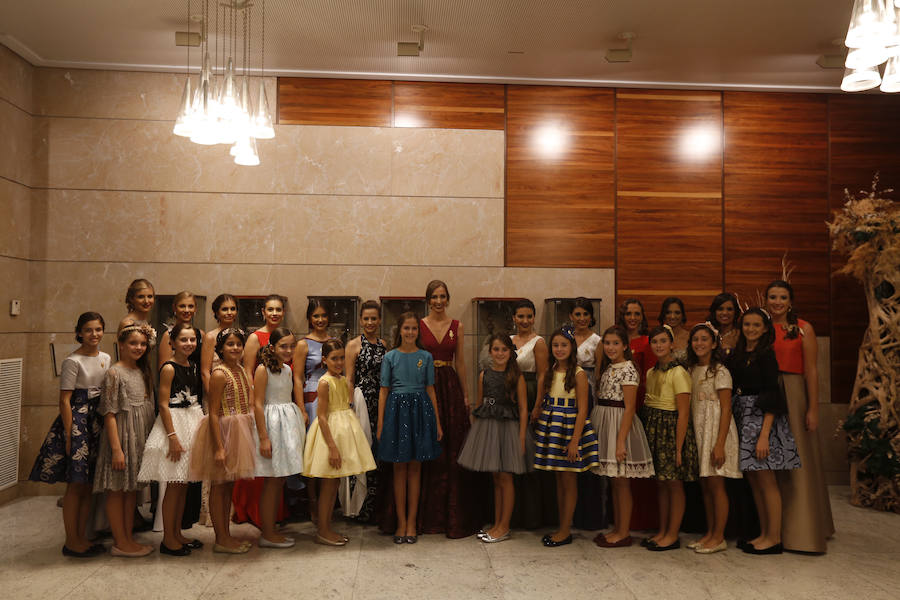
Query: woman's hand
point(68, 444)
point(265, 448)
point(440, 432)
point(334, 457)
point(717, 456)
point(572, 451)
point(677, 458)
point(536, 413)
point(522, 444)
point(175, 449)
point(812, 420)
point(220, 458)
point(378, 434)
point(118, 460)
point(620, 451)
point(762, 448)
point(305, 418)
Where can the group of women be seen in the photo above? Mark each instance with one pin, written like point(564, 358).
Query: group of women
point(554, 421)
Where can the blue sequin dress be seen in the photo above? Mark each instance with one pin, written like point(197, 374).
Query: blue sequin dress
point(410, 425)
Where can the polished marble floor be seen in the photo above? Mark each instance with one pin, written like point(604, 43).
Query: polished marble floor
point(863, 562)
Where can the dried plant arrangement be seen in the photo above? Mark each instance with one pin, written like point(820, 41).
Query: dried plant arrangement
point(867, 231)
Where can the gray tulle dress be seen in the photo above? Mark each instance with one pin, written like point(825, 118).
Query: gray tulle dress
point(493, 442)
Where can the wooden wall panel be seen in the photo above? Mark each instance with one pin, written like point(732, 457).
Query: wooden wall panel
point(669, 198)
point(308, 101)
point(776, 174)
point(449, 105)
point(560, 177)
point(864, 139)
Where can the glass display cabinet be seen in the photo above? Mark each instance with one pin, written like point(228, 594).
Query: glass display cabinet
point(557, 311)
point(162, 317)
point(391, 309)
point(492, 315)
point(250, 312)
point(343, 315)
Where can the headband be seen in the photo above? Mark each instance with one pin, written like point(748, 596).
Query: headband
point(670, 330)
point(568, 332)
point(143, 329)
point(709, 326)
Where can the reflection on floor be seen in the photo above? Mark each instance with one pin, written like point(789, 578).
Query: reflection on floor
point(863, 562)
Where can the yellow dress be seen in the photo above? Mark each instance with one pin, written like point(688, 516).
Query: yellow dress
point(356, 456)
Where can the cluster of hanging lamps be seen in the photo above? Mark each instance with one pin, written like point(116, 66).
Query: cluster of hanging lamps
point(220, 109)
point(873, 38)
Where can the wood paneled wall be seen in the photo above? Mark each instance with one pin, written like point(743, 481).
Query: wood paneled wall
point(560, 177)
point(669, 198)
point(683, 193)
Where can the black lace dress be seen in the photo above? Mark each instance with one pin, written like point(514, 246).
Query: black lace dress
point(368, 379)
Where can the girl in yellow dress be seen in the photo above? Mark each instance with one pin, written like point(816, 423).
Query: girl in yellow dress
point(335, 443)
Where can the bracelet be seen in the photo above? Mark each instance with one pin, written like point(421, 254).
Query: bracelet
point(171, 434)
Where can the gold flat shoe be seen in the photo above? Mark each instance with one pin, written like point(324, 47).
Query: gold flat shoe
point(242, 548)
point(326, 542)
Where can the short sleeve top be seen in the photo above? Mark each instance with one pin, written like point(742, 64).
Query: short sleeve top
point(789, 352)
point(609, 387)
point(80, 372)
point(664, 386)
point(123, 388)
point(407, 372)
point(705, 388)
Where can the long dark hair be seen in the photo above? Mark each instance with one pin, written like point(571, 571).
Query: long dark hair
point(432, 286)
point(512, 371)
point(225, 334)
point(403, 318)
point(718, 301)
point(84, 319)
point(315, 303)
point(176, 329)
point(569, 381)
point(665, 308)
point(219, 301)
point(793, 330)
point(622, 335)
point(330, 346)
point(266, 355)
point(623, 308)
point(765, 342)
point(584, 303)
point(715, 358)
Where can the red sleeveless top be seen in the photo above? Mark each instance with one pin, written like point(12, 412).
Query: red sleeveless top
point(446, 349)
point(789, 352)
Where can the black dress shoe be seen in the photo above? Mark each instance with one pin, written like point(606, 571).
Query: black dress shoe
point(775, 549)
point(194, 545)
point(647, 542)
point(741, 544)
point(399, 539)
point(411, 539)
point(89, 553)
point(182, 551)
point(551, 543)
point(545, 539)
point(657, 548)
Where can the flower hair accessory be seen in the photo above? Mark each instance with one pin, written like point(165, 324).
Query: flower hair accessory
point(569, 332)
point(143, 329)
point(711, 327)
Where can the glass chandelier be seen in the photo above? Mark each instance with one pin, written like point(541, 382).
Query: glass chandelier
point(873, 38)
point(220, 110)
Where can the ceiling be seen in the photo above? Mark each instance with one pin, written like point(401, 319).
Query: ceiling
point(721, 44)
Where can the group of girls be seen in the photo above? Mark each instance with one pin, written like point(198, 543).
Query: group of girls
point(733, 396)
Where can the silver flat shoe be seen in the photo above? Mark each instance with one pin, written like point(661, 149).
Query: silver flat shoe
point(723, 545)
point(265, 543)
point(489, 539)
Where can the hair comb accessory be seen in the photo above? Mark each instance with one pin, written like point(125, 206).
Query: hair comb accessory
point(765, 312)
point(711, 327)
point(669, 329)
point(569, 332)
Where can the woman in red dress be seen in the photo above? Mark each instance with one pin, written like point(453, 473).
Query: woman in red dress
point(631, 317)
point(449, 502)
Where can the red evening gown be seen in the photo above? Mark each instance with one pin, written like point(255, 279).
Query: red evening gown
point(454, 500)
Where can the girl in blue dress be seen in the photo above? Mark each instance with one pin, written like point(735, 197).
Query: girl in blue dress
point(408, 427)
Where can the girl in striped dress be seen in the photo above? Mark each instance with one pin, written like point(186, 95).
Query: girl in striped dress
point(565, 442)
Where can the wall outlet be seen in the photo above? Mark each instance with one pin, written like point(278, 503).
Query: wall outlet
point(15, 308)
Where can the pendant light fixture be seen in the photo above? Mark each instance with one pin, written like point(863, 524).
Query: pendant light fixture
point(873, 38)
point(219, 109)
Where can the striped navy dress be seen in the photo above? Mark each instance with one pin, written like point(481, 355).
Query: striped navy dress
point(555, 428)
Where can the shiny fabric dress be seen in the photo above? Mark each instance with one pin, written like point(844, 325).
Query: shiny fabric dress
point(535, 505)
point(453, 500)
point(807, 519)
point(368, 380)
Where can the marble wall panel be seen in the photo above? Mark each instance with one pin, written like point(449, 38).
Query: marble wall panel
point(14, 284)
point(115, 154)
point(16, 144)
point(16, 79)
point(447, 162)
point(117, 94)
point(264, 228)
point(15, 223)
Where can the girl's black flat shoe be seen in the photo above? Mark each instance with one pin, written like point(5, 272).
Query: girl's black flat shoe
point(182, 551)
point(776, 549)
point(551, 543)
point(194, 545)
point(657, 548)
point(399, 539)
point(89, 553)
point(411, 539)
